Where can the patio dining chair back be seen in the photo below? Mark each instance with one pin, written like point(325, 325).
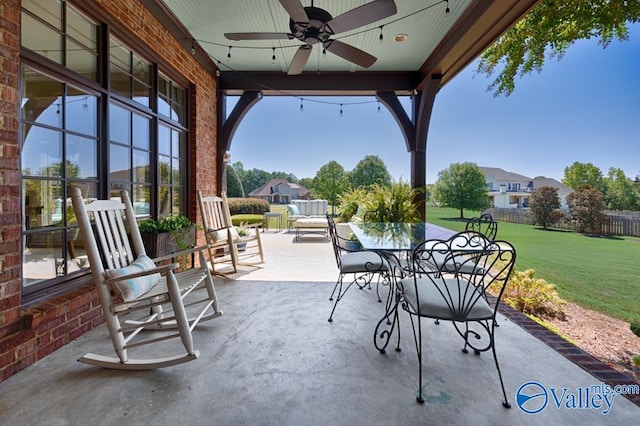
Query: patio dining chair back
point(140, 295)
point(456, 294)
point(484, 225)
point(226, 245)
point(363, 265)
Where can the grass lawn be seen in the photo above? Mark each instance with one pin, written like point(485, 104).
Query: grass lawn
point(602, 274)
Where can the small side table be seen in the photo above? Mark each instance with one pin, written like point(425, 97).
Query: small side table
point(267, 217)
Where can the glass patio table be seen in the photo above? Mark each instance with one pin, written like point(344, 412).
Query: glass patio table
point(396, 236)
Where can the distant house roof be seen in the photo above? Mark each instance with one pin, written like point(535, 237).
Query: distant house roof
point(562, 188)
point(500, 174)
point(267, 189)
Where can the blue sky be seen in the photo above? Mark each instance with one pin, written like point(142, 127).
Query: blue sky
point(584, 107)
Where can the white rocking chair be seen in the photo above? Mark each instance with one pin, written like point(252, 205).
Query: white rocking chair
point(129, 283)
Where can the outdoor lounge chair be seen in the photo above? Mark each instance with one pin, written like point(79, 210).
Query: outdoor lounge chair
point(225, 245)
point(139, 294)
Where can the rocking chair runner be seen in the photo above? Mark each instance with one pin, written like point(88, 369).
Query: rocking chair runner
point(129, 283)
point(224, 243)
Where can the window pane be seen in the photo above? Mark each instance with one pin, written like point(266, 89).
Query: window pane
point(41, 101)
point(120, 55)
point(163, 107)
point(165, 169)
point(82, 61)
point(178, 205)
point(141, 131)
point(49, 11)
point(119, 124)
point(141, 166)
point(82, 157)
point(119, 162)
point(177, 113)
point(141, 93)
point(141, 69)
point(81, 112)
point(164, 86)
point(140, 199)
point(176, 174)
point(164, 140)
point(41, 152)
point(41, 38)
point(42, 203)
point(82, 29)
point(164, 200)
point(43, 256)
point(120, 81)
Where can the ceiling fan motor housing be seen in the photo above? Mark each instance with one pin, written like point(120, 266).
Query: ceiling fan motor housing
point(314, 32)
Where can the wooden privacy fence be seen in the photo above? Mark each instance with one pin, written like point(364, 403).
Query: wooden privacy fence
point(615, 223)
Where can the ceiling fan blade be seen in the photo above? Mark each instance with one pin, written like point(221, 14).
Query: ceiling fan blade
point(258, 36)
point(361, 16)
point(350, 53)
point(299, 60)
point(295, 10)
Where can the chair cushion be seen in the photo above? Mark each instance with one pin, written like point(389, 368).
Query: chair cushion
point(362, 261)
point(293, 210)
point(222, 235)
point(133, 288)
point(459, 301)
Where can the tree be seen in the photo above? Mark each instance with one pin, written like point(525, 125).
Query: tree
point(234, 184)
point(579, 174)
point(544, 202)
point(307, 183)
point(289, 177)
point(330, 182)
point(254, 179)
point(371, 169)
point(585, 207)
point(548, 30)
point(621, 192)
point(462, 186)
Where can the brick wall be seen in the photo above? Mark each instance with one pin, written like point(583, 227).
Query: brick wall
point(27, 334)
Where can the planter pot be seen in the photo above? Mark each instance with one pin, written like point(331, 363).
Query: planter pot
point(168, 242)
point(242, 247)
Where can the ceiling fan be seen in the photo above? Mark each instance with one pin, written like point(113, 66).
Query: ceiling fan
point(313, 25)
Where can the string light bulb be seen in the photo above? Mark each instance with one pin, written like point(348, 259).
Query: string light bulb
point(378, 106)
point(447, 10)
point(340, 110)
point(301, 106)
point(273, 56)
point(193, 46)
point(229, 56)
point(381, 36)
point(324, 53)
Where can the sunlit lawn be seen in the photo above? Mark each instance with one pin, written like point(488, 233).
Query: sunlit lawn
point(599, 273)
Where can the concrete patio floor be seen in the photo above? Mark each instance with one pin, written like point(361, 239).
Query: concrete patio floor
point(273, 358)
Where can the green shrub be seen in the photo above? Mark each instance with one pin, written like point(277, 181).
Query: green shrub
point(246, 219)
point(635, 327)
point(350, 201)
point(532, 295)
point(168, 224)
point(248, 206)
point(380, 203)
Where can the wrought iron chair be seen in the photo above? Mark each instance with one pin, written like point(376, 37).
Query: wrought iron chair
point(363, 264)
point(138, 293)
point(224, 242)
point(453, 294)
point(484, 225)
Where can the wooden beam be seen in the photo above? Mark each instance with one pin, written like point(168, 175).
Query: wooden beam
point(392, 103)
point(244, 104)
point(323, 84)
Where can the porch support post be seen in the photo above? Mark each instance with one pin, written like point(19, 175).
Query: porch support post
point(415, 131)
point(229, 127)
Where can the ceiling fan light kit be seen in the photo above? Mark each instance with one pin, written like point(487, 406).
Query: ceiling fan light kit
point(312, 25)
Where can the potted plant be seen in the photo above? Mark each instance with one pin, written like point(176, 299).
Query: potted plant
point(242, 232)
point(352, 243)
point(168, 235)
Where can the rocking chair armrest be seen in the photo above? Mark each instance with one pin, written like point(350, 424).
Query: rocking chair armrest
point(180, 253)
point(163, 269)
